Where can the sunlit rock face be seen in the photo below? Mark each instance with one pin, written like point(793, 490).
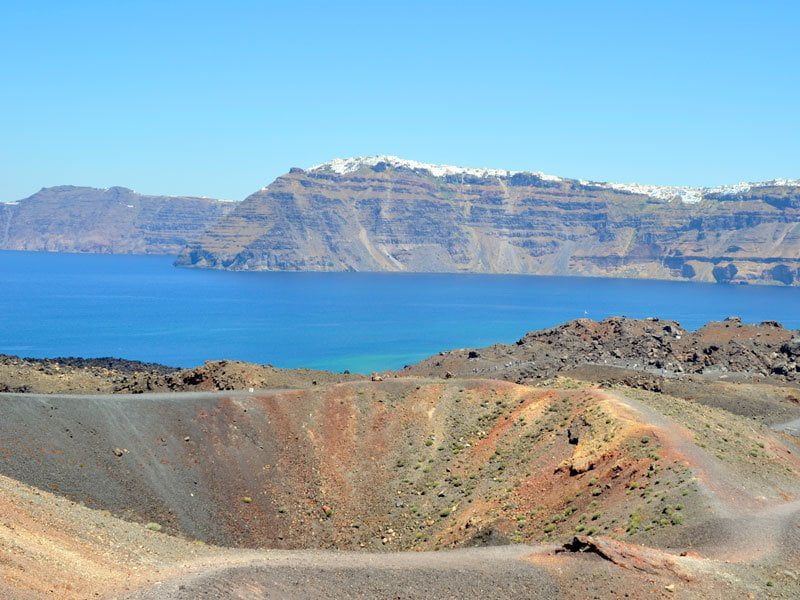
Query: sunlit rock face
point(111, 221)
point(386, 214)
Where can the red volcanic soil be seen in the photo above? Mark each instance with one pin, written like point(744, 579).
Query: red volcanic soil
point(668, 497)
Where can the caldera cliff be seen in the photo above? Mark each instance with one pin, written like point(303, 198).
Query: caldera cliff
point(108, 221)
point(388, 214)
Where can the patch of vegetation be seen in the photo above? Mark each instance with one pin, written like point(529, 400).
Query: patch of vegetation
point(635, 522)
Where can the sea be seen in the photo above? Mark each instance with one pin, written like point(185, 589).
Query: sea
point(144, 308)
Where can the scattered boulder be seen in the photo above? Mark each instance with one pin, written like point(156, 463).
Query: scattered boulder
point(629, 556)
point(771, 323)
point(792, 347)
point(780, 367)
point(576, 429)
point(651, 349)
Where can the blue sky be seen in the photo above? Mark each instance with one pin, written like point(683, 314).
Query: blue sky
point(218, 98)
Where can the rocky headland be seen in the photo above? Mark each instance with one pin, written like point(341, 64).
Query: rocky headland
point(107, 221)
point(387, 214)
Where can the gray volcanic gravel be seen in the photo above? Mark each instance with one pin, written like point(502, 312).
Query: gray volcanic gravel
point(475, 573)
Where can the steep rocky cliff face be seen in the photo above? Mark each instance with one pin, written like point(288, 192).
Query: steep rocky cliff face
point(115, 220)
point(387, 214)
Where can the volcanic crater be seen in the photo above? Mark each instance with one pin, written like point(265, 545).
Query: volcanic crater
point(551, 487)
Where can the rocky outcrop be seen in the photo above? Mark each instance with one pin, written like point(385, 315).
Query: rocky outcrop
point(110, 221)
point(727, 349)
point(386, 214)
point(641, 353)
point(72, 375)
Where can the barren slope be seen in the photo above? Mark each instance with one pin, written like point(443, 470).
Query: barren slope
point(112, 375)
point(406, 464)
point(727, 350)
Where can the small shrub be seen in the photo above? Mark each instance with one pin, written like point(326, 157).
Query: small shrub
point(635, 522)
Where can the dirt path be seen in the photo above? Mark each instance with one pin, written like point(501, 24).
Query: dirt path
point(792, 427)
point(753, 524)
point(496, 572)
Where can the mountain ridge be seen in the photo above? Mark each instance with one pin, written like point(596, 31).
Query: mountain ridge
point(343, 166)
point(113, 220)
point(387, 214)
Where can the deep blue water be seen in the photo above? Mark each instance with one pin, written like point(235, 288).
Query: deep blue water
point(141, 307)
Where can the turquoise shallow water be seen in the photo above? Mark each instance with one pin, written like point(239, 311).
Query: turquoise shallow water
point(141, 307)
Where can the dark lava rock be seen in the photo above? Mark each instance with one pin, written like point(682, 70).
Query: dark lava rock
point(792, 347)
point(719, 349)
